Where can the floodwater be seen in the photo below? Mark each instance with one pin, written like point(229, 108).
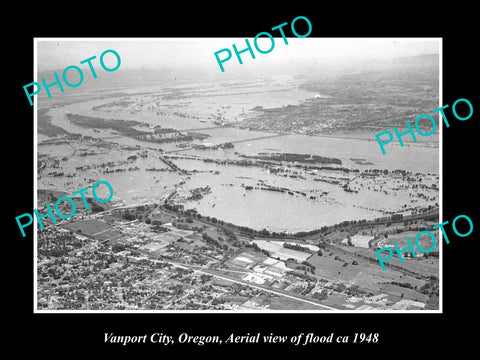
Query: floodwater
point(228, 199)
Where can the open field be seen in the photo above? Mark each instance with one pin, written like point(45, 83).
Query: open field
point(365, 274)
point(88, 227)
point(423, 267)
point(281, 303)
point(424, 240)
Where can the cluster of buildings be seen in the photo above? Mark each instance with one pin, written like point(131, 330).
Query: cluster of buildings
point(142, 267)
point(131, 265)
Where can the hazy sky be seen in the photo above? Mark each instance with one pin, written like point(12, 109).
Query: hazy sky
point(54, 54)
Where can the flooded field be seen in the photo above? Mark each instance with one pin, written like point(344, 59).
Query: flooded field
point(279, 195)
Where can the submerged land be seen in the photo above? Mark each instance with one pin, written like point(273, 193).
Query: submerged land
point(267, 193)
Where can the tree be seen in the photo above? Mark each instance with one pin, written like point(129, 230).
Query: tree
point(118, 247)
point(97, 208)
point(349, 241)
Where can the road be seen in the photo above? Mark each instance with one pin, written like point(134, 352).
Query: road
point(239, 281)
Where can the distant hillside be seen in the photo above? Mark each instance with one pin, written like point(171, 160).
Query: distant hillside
point(429, 61)
point(421, 71)
point(119, 79)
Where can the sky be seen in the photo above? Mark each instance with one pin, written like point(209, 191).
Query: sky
point(58, 53)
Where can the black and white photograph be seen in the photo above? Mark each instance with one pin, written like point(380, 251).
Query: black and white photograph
point(260, 188)
point(241, 184)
